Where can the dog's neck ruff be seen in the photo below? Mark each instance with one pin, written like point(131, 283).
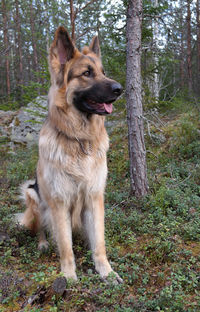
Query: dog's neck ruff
point(83, 148)
point(81, 144)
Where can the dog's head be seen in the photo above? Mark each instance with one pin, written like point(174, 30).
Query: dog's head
point(80, 75)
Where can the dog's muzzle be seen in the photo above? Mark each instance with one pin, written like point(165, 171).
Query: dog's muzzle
point(98, 98)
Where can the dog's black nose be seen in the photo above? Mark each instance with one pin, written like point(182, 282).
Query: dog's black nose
point(117, 88)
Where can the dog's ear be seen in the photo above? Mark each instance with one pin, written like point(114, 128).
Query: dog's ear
point(95, 47)
point(61, 51)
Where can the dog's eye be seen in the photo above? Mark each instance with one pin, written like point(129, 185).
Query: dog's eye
point(86, 73)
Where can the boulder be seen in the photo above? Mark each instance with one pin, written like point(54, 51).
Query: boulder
point(26, 124)
point(5, 120)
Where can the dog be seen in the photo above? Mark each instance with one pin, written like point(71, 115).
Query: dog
point(68, 192)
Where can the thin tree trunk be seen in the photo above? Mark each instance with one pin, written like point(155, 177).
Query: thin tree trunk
point(189, 50)
point(19, 44)
point(198, 40)
point(182, 76)
point(155, 41)
point(47, 33)
point(73, 16)
point(72, 20)
point(6, 43)
point(137, 152)
point(29, 64)
point(34, 41)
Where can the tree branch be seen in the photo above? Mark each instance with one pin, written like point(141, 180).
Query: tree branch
point(78, 10)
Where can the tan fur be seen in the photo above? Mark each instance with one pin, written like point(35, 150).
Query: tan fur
point(31, 218)
point(72, 166)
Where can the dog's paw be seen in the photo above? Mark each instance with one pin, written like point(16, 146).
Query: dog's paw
point(71, 278)
point(112, 278)
point(117, 278)
point(18, 218)
point(43, 246)
point(106, 272)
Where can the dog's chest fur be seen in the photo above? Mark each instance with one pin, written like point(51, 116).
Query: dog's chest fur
point(71, 166)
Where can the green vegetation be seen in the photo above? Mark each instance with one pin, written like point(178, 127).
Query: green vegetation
point(152, 243)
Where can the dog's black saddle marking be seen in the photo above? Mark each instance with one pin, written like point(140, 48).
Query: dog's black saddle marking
point(35, 186)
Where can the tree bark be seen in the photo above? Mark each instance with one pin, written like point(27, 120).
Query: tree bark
point(72, 20)
point(137, 152)
point(35, 56)
point(6, 43)
point(156, 90)
point(182, 75)
point(189, 50)
point(19, 43)
point(73, 16)
point(198, 39)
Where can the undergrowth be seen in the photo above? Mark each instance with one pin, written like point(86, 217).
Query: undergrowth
point(153, 243)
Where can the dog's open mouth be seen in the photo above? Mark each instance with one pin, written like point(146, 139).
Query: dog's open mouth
point(98, 98)
point(101, 107)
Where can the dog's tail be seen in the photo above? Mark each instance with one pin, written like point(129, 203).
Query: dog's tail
point(29, 193)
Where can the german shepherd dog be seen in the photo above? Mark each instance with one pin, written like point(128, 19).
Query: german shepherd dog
point(68, 192)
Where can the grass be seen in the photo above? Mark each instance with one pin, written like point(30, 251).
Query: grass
point(153, 243)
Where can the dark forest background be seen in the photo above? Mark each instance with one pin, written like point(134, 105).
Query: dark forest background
point(170, 38)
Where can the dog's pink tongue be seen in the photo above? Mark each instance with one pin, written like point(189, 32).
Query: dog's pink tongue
point(108, 108)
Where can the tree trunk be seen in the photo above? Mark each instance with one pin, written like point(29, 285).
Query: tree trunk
point(189, 50)
point(35, 56)
point(19, 44)
point(72, 20)
point(182, 76)
point(6, 43)
point(73, 15)
point(155, 41)
point(46, 14)
point(198, 40)
point(137, 152)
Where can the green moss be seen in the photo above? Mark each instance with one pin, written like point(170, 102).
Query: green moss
point(153, 243)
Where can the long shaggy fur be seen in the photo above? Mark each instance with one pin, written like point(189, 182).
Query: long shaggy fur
point(31, 217)
point(72, 168)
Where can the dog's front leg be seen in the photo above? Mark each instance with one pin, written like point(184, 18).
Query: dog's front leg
point(61, 222)
point(94, 226)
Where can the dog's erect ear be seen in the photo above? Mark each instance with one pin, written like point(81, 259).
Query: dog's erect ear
point(61, 51)
point(65, 46)
point(95, 47)
point(62, 46)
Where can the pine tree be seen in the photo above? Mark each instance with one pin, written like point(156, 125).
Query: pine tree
point(6, 43)
point(198, 39)
point(137, 153)
point(189, 48)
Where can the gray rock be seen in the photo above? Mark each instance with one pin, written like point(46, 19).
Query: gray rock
point(5, 120)
point(26, 125)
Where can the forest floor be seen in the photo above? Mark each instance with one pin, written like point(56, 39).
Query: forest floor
point(153, 243)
